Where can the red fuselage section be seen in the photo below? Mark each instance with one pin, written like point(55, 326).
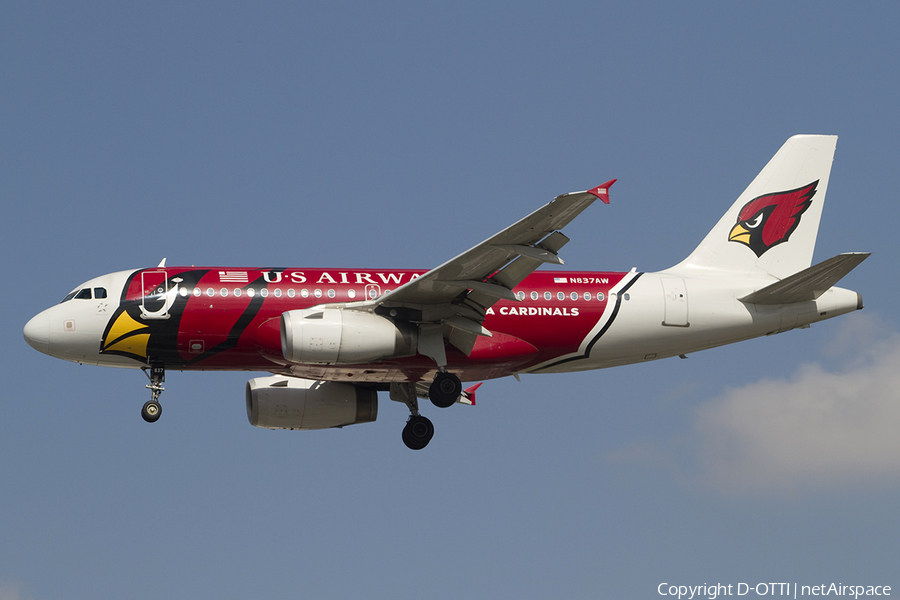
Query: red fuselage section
point(218, 318)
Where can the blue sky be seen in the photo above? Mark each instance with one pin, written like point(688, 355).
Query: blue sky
point(398, 135)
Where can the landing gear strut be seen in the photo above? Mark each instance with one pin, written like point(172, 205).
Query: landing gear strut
point(152, 408)
point(418, 430)
point(445, 389)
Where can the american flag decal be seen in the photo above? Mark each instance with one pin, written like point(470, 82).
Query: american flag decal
point(560, 280)
point(233, 277)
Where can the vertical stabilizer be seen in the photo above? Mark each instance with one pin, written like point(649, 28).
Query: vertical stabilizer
point(770, 231)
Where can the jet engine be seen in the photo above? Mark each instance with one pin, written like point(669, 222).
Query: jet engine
point(334, 336)
point(292, 403)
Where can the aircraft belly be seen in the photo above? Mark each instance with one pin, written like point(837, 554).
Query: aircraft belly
point(382, 374)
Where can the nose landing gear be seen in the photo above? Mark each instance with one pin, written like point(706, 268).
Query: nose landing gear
point(152, 409)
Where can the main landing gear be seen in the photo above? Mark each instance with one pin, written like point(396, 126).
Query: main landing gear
point(444, 391)
point(417, 432)
point(152, 409)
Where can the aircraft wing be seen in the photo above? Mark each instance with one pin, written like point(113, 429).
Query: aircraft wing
point(457, 293)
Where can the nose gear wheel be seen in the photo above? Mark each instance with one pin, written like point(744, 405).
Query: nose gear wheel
point(152, 409)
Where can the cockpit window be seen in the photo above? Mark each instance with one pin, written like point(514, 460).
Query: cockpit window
point(84, 294)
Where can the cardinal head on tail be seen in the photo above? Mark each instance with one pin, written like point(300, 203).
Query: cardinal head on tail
point(770, 219)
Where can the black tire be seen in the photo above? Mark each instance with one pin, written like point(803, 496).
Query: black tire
point(445, 390)
point(417, 432)
point(152, 411)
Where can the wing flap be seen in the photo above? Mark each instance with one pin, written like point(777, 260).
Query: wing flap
point(512, 274)
point(467, 325)
point(808, 284)
point(492, 290)
point(537, 253)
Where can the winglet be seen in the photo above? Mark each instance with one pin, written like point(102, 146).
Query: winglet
point(602, 190)
point(468, 395)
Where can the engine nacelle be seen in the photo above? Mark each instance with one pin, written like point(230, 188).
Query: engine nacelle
point(333, 336)
point(291, 403)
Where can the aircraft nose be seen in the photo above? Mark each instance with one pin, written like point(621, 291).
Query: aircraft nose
point(37, 332)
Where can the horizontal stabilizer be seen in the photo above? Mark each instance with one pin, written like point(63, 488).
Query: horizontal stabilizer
point(808, 284)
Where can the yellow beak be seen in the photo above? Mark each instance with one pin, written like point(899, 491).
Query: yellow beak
point(739, 234)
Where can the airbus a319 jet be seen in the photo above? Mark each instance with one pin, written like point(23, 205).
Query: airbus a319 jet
point(331, 339)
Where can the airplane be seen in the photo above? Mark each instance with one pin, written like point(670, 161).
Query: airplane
point(331, 339)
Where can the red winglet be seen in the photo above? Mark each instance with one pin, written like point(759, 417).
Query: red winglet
point(469, 392)
point(602, 191)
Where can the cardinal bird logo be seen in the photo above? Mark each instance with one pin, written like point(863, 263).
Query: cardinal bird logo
point(770, 219)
